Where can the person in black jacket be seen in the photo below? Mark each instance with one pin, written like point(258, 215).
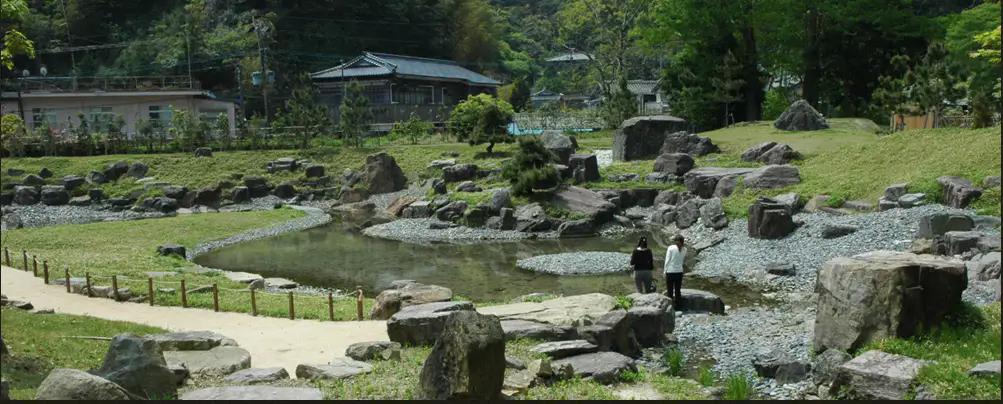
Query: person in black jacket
point(643, 264)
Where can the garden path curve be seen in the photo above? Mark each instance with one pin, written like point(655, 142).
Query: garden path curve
point(272, 342)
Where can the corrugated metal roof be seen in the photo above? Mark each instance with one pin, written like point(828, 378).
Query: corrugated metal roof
point(570, 57)
point(372, 64)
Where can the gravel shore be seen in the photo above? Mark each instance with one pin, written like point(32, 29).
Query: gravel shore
point(577, 263)
point(314, 217)
point(43, 215)
point(418, 231)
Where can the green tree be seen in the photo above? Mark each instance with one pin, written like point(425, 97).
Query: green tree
point(13, 135)
point(622, 105)
point(727, 84)
point(355, 114)
point(482, 119)
point(530, 171)
point(188, 131)
point(413, 129)
point(305, 114)
point(13, 42)
point(221, 124)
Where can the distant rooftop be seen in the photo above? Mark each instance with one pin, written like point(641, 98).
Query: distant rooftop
point(570, 57)
point(372, 64)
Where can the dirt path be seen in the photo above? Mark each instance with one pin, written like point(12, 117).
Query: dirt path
point(272, 342)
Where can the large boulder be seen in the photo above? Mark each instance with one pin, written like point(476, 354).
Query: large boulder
point(712, 214)
point(958, 192)
point(208, 196)
point(641, 138)
point(137, 364)
point(114, 171)
point(257, 185)
point(624, 337)
point(71, 182)
point(674, 163)
point(25, 195)
point(55, 195)
point(660, 302)
point(459, 172)
point(558, 144)
point(753, 153)
point(769, 219)
point(584, 167)
point(374, 350)
point(773, 176)
point(451, 212)
point(779, 154)
point(586, 202)
point(467, 361)
point(601, 367)
point(563, 349)
point(876, 375)
point(961, 242)
point(689, 143)
point(699, 301)
point(382, 174)
point(422, 324)
point(780, 365)
point(515, 329)
point(883, 294)
point(703, 182)
point(72, 384)
point(218, 361)
point(937, 224)
point(984, 266)
point(800, 116)
point(404, 294)
point(137, 170)
point(264, 393)
point(563, 311)
point(576, 228)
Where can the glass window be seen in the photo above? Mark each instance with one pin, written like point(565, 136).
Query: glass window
point(160, 113)
point(413, 95)
point(43, 115)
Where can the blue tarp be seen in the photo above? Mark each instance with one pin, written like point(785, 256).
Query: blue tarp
point(514, 130)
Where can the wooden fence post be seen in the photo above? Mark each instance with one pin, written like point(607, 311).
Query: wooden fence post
point(114, 286)
point(45, 271)
point(330, 306)
point(254, 304)
point(292, 307)
point(153, 293)
point(66, 273)
point(358, 306)
point(6, 256)
point(34, 266)
point(87, 277)
point(184, 295)
point(215, 297)
point(24, 258)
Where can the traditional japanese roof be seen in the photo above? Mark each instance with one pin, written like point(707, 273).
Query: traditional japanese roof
point(371, 64)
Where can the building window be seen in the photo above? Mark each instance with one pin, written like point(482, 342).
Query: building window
point(101, 118)
point(160, 114)
point(43, 115)
point(413, 95)
point(209, 115)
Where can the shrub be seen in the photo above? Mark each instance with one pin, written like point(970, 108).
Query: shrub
point(413, 129)
point(482, 119)
point(737, 387)
point(774, 105)
point(673, 359)
point(624, 302)
point(530, 169)
point(705, 376)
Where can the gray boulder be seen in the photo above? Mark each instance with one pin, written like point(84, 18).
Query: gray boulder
point(586, 202)
point(585, 167)
point(781, 366)
point(987, 369)
point(71, 182)
point(285, 190)
point(240, 194)
point(601, 367)
point(190, 340)
point(382, 174)
point(257, 185)
point(264, 393)
point(674, 163)
point(780, 269)
point(883, 294)
point(114, 171)
point(825, 366)
point(559, 145)
point(516, 329)
point(337, 369)
point(576, 228)
point(961, 242)
point(640, 138)
point(374, 350)
point(703, 181)
point(773, 176)
point(203, 152)
point(72, 384)
point(468, 186)
point(769, 219)
point(421, 324)
point(451, 212)
point(501, 199)
point(992, 181)
point(699, 301)
point(912, 200)
point(876, 375)
point(137, 170)
point(563, 349)
point(208, 196)
point(984, 266)
point(137, 364)
point(752, 154)
point(407, 293)
point(467, 361)
point(895, 191)
point(689, 143)
point(96, 178)
point(459, 172)
point(958, 192)
point(660, 302)
point(624, 338)
point(216, 362)
point(54, 195)
point(649, 325)
point(45, 172)
point(832, 231)
point(33, 180)
point(688, 213)
point(779, 154)
point(598, 335)
point(25, 195)
point(256, 376)
point(712, 214)
point(172, 249)
point(314, 171)
point(800, 116)
point(938, 224)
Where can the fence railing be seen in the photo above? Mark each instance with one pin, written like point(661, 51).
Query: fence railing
point(120, 286)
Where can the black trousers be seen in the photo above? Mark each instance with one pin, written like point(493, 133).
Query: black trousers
point(673, 285)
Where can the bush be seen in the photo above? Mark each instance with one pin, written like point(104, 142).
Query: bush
point(673, 359)
point(774, 105)
point(737, 387)
point(705, 377)
point(482, 119)
point(530, 170)
point(413, 129)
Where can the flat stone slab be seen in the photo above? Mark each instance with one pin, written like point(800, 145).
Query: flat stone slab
point(218, 361)
point(374, 350)
point(577, 263)
point(988, 369)
point(257, 375)
point(242, 277)
point(280, 283)
point(565, 311)
point(700, 301)
point(339, 368)
point(603, 367)
point(191, 341)
point(877, 375)
point(563, 349)
point(515, 329)
point(254, 393)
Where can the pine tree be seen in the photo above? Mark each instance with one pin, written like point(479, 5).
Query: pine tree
point(355, 114)
point(727, 84)
point(621, 106)
point(530, 169)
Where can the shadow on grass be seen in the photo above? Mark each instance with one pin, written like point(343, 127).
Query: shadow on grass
point(492, 155)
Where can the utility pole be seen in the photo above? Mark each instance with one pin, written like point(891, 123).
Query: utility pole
point(258, 28)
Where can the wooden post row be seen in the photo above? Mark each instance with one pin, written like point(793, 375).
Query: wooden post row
point(24, 258)
point(330, 306)
point(254, 304)
point(66, 273)
point(358, 306)
point(215, 297)
point(114, 286)
point(45, 271)
point(34, 266)
point(153, 293)
point(184, 294)
point(87, 277)
point(6, 256)
point(292, 307)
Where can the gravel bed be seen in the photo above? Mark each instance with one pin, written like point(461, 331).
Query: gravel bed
point(383, 201)
point(314, 218)
point(743, 258)
point(980, 292)
point(577, 263)
point(733, 341)
point(417, 231)
point(44, 215)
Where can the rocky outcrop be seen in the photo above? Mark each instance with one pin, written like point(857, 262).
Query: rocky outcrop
point(623, 336)
point(958, 192)
point(876, 375)
point(467, 361)
point(938, 224)
point(558, 144)
point(72, 384)
point(699, 301)
point(137, 364)
point(883, 294)
point(407, 293)
point(563, 311)
point(773, 176)
point(421, 324)
point(585, 202)
point(703, 182)
point(459, 172)
point(641, 138)
point(688, 143)
point(54, 195)
point(769, 219)
point(382, 174)
point(584, 168)
point(800, 116)
point(677, 164)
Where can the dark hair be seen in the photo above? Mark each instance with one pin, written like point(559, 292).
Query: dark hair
point(642, 243)
point(677, 238)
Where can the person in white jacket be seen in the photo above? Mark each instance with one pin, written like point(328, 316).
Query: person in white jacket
point(675, 255)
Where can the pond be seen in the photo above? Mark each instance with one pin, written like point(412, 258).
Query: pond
point(334, 256)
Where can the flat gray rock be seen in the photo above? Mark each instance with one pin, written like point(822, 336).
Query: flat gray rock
point(563, 349)
point(515, 329)
point(191, 341)
point(877, 375)
point(254, 393)
point(339, 368)
point(218, 361)
point(603, 367)
point(280, 283)
point(564, 311)
point(257, 375)
point(241, 277)
point(988, 369)
point(577, 263)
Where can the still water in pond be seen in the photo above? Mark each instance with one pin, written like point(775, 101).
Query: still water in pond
point(335, 257)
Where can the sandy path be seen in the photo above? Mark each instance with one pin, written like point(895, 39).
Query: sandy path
point(272, 342)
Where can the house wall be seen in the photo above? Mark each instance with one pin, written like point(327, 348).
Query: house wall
point(394, 100)
point(63, 111)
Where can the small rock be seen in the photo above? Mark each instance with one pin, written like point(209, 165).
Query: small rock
point(339, 368)
point(257, 375)
point(987, 369)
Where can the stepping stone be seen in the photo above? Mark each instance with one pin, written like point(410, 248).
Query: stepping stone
point(257, 375)
point(339, 368)
point(877, 375)
point(515, 329)
point(218, 361)
point(242, 277)
point(563, 349)
point(602, 367)
point(988, 369)
point(694, 300)
point(375, 350)
point(280, 283)
point(254, 393)
point(191, 341)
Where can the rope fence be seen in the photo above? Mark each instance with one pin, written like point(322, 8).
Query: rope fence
point(121, 287)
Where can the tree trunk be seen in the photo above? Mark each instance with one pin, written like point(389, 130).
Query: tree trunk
point(753, 86)
point(810, 58)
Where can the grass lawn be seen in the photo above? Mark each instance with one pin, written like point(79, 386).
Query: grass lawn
point(129, 248)
point(971, 337)
point(38, 343)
